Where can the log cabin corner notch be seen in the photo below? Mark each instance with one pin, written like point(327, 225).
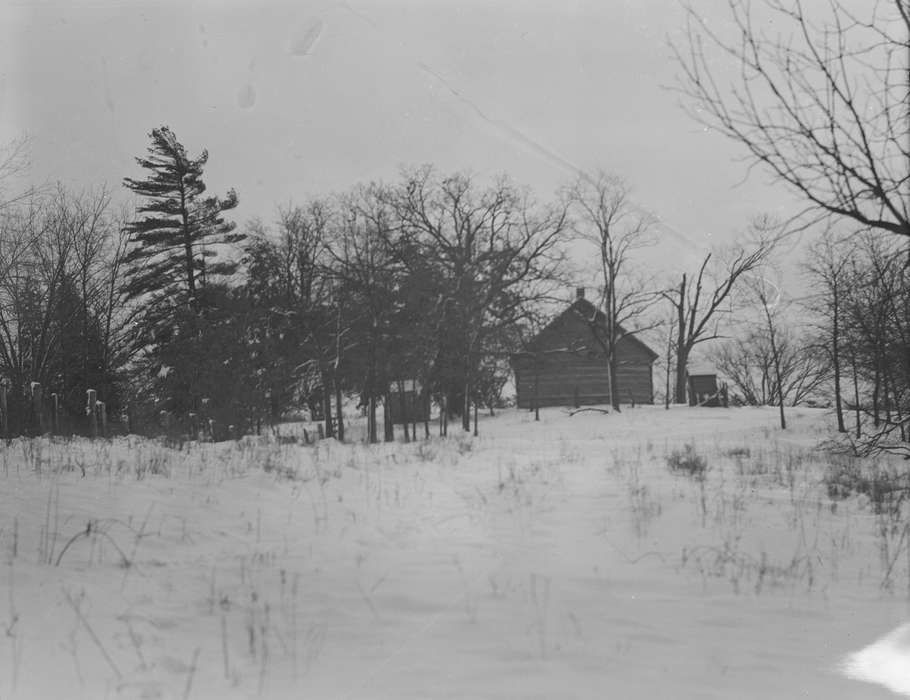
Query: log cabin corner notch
point(565, 364)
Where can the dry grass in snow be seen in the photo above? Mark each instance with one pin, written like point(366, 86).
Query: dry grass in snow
point(693, 553)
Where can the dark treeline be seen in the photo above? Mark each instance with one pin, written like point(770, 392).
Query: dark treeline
point(62, 323)
point(847, 344)
point(422, 288)
point(863, 301)
point(425, 280)
point(176, 316)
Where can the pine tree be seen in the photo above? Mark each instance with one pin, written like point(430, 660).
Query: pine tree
point(172, 276)
point(177, 230)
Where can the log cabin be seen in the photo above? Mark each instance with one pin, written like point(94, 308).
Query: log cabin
point(565, 364)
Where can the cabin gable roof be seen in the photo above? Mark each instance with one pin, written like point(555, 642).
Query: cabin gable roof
point(571, 327)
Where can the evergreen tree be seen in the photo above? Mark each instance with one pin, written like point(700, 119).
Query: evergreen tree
point(171, 272)
point(177, 232)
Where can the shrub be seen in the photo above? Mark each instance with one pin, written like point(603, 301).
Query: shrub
point(743, 452)
point(885, 489)
point(687, 461)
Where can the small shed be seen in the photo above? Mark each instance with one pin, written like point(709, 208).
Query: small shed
point(704, 389)
point(407, 402)
point(565, 364)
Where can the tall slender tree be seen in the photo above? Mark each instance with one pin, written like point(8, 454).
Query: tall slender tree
point(828, 267)
point(172, 266)
point(177, 230)
point(606, 217)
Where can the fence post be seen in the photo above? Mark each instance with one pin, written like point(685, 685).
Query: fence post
point(91, 399)
point(55, 413)
point(102, 413)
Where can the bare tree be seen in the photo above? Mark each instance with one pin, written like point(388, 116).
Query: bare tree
point(367, 268)
point(877, 331)
point(768, 296)
point(288, 283)
point(700, 302)
point(828, 269)
point(605, 216)
point(14, 162)
point(35, 259)
point(56, 315)
point(748, 362)
point(820, 99)
point(497, 253)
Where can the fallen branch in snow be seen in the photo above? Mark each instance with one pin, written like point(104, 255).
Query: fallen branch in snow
point(633, 560)
point(87, 532)
point(137, 644)
point(189, 679)
point(589, 408)
point(92, 634)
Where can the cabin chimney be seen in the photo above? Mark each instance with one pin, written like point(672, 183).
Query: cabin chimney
point(579, 293)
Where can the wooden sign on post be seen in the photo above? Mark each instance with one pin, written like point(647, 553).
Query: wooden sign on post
point(102, 415)
point(91, 399)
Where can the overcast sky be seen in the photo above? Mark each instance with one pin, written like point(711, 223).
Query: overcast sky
point(294, 99)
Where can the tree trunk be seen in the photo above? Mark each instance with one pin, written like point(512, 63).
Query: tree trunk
point(388, 428)
point(835, 361)
point(187, 248)
point(402, 399)
point(614, 388)
point(780, 386)
point(669, 358)
point(682, 359)
point(371, 391)
point(327, 407)
point(886, 392)
point(339, 417)
point(445, 416)
point(856, 397)
point(372, 436)
point(775, 358)
point(682, 347)
point(425, 405)
point(876, 387)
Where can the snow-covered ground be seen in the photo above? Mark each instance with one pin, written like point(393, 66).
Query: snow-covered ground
point(560, 559)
